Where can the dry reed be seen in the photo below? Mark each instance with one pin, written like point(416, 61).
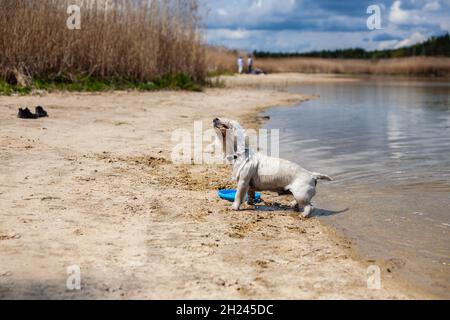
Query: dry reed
point(225, 62)
point(137, 40)
point(220, 60)
point(414, 66)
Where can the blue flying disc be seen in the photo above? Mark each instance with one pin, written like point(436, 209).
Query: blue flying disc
point(230, 195)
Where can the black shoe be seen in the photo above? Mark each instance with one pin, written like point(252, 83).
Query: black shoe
point(26, 114)
point(40, 112)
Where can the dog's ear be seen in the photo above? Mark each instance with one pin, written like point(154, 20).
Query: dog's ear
point(240, 137)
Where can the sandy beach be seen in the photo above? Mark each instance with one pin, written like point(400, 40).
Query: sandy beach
point(93, 186)
point(280, 81)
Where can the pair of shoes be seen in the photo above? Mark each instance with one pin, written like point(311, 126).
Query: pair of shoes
point(27, 114)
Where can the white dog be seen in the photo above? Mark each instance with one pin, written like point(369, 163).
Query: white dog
point(257, 172)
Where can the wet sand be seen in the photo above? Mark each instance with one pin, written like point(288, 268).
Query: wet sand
point(93, 186)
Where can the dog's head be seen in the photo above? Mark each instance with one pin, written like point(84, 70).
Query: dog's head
point(230, 137)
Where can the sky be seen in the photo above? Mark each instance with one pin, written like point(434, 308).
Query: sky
point(307, 25)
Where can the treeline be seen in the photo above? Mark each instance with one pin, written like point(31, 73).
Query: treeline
point(433, 47)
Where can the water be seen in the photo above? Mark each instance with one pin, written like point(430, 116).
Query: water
point(387, 144)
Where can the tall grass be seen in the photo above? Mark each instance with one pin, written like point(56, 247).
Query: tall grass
point(133, 40)
point(220, 60)
point(225, 62)
point(414, 66)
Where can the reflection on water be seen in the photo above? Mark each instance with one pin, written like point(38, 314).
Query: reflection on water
point(387, 144)
point(373, 130)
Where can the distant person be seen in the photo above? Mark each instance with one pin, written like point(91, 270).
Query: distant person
point(250, 64)
point(240, 63)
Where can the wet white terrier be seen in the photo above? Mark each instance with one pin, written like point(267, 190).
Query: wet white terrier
point(257, 172)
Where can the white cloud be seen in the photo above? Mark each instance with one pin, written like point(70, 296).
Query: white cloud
point(222, 12)
point(250, 12)
point(385, 45)
point(399, 16)
point(285, 40)
point(219, 35)
point(413, 39)
point(432, 6)
point(304, 25)
point(416, 37)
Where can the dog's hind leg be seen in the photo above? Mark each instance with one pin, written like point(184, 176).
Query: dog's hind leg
point(304, 202)
point(251, 197)
point(305, 208)
point(307, 211)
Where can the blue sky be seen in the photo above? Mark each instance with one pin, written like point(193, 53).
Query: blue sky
point(306, 25)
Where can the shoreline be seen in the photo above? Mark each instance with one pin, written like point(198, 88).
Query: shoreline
point(93, 186)
point(280, 81)
point(422, 273)
point(396, 280)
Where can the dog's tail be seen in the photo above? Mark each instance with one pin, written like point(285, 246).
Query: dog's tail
point(319, 176)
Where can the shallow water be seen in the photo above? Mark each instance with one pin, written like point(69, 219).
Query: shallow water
point(387, 144)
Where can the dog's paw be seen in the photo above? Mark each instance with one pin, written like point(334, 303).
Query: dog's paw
point(307, 212)
point(235, 207)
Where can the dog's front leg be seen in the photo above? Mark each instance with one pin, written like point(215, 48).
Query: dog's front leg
point(240, 194)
